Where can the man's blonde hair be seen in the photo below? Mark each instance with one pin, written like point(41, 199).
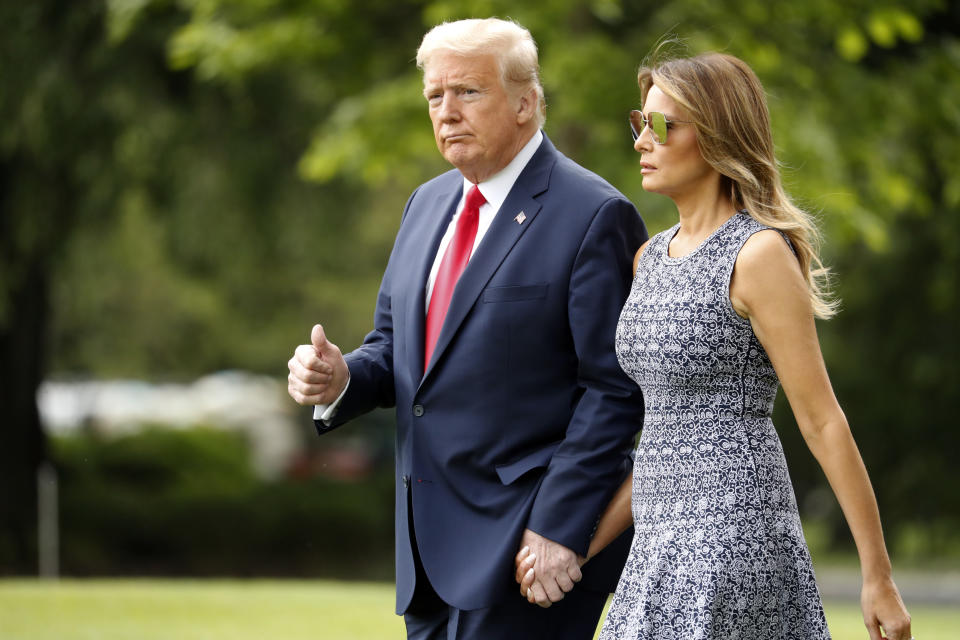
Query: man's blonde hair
point(508, 42)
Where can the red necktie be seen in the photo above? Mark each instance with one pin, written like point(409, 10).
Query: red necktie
point(451, 266)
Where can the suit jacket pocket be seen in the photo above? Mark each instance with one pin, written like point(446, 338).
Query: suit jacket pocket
point(538, 459)
point(510, 294)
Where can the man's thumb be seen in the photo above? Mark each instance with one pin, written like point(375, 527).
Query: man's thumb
point(319, 339)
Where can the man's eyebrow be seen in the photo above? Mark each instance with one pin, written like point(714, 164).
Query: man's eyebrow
point(459, 85)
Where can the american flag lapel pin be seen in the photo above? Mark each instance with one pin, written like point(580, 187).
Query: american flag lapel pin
point(521, 217)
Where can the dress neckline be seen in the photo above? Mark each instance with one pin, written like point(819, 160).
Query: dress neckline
point(672, 232)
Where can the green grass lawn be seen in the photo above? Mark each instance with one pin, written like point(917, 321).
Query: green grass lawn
point(267, 610)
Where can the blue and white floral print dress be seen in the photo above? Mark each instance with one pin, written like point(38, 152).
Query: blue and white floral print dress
point(718, 550)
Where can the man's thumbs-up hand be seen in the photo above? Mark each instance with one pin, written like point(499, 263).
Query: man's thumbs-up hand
point(318, 372)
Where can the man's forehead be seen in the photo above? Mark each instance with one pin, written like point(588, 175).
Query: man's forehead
point(447, 68)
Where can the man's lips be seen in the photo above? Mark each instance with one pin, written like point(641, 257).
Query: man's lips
point(456, 137)
point(646, 167)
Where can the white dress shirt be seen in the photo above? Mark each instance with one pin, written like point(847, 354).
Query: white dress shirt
point(495, 190)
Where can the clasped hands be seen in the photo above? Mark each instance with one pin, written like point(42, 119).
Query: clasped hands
point(545, 570)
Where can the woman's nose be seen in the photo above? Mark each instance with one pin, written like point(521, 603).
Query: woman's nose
point(643, 141)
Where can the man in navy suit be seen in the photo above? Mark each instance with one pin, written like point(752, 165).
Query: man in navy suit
point(514, 420)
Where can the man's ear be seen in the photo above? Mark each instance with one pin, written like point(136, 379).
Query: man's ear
point(527, 107)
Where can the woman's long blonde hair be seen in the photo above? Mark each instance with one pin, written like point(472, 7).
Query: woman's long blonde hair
point(725, 100)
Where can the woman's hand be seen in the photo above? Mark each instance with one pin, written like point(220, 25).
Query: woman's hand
point(883, 608)
point(525, 575)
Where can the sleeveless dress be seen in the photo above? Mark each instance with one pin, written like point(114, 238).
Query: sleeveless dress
point(718, 551)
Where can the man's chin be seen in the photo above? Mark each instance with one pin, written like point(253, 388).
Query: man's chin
point(460, 158)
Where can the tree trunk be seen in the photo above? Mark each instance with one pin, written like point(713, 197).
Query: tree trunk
point(23, 444)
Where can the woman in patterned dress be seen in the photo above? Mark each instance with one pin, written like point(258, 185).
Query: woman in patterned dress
point(721, 313)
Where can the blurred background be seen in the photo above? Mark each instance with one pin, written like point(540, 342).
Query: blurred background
point(187, 186)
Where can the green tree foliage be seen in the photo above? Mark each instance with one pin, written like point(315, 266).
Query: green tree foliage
point(188, 186)
point(863, 99)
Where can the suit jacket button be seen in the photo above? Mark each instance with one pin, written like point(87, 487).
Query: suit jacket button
point(406, 481)
point(418, 410)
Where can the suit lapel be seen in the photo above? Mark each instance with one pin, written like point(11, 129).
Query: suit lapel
point(433, 230)
point(503, 234)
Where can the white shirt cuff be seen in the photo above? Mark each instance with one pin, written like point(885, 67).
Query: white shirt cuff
point(325, 412)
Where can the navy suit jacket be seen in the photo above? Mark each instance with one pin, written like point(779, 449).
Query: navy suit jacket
point(523, 418)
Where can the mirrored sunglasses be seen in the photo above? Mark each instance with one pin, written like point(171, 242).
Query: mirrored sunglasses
point(657, 122)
